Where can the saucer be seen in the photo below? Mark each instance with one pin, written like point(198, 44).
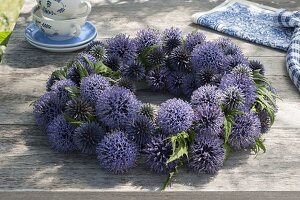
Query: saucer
point(38, 37)
point(62, 49)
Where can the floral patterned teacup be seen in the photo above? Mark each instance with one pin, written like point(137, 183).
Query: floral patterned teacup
point(64, 9)
point(58, 29)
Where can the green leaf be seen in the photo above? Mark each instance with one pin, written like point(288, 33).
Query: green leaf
point(259, 145)
point(228, 150)
point(167, 182)
point(59, 74)
point(179, 146)
point(82, 71)
point(143, 56)
point(4, 36)
point(72, 121)
point(73, 91)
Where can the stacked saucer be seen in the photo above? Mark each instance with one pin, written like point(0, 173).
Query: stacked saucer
point(60, 26)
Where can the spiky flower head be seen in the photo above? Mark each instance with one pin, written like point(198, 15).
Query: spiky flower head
point(92, 86)
point(87, 136)
point(206, 155)
point(116, 153)
point(157, 152)
point(228, 47)
point(209, 119)
point(174, 116)
point(59, 88)
point(46, 108)
point(256, 65)
point(175, 82)
point(180, 60)
point(209, 55)
point(171, 39)
point(113, 62)
point(79, 109)
point(233, 98)
point(242, 70)
point(127, 83)
point(245, 130)
point(193, 39)
point(265, 121)
point(117, 106)
point(60, 135)
point(97, 49)
point(133, 70)
point(123, 47)
point(147, 38)
point(190, 84)
point(147, 110)
point(208, 75)
point(157, 78)
point(156, 57)
point(235, 60)
point(140, 130)
point(207, 94)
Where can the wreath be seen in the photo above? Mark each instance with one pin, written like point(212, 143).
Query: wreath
point(223, 102)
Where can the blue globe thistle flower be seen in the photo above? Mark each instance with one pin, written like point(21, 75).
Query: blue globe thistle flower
point(207, 94)
point(157, 78)
point(87, 136)
point(117, 106)
point(245, 130)
point(46, 108)
point(208, 75)
point(140, 130)
point(235, 60)
point(233, 98)
point(206, 155)
point(51, 80)
point(193, 39)
point(209, 119)
point(174, 116)
point(113, 62)
point(180, 60)
point(256, 65)
point(147, 38)
point(228, 47)
point(134, 71)
point(190, 84)
point(243, 82)
point(116, 153)
point(157, 57)
point(209, 55)
point(157, 152)
point(175, 82)
point(59, 88)
point(97, 49)
point(60, 135)
point(242, 70)
point(265, 121)
point(92, 86)
point(147, 110)
point(127, 83)
point(171, 39)
point(79, 109)
point(122, 46)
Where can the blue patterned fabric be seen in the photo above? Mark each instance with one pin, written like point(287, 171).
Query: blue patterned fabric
point(260, 24)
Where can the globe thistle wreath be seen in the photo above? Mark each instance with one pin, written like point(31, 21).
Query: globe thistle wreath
point(222, 102)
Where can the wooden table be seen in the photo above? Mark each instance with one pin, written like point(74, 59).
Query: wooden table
point(27, 162)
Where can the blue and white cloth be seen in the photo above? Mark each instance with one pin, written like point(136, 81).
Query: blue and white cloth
point(260, 24)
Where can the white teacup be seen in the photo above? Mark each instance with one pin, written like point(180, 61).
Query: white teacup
point(58, 29)
point(64, 9)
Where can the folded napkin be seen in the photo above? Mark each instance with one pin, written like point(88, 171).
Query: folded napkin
point(260, 24)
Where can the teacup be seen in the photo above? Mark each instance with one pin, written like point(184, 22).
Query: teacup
point(64, 9)
point(58, 29)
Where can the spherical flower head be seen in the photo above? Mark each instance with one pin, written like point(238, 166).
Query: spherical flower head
point(113, 62)
point(209, 55)
point(79, 109)
point(116, 153)
point(235, 60)
point(87, 136)
point(51, 80)
point(59, 88)
point(123, 47)
point(209, 119)
point(228, 47)
point(180, 60)
point(175, 82)
point(171, 39)
point(156, 57)
point(190, 84)
point(147, 110)
point(207, 94)
point(174, 116)
point(265, 121)
point(147, 38)
point(157, 152)
point(92, 86)
point(127, 83)
point(46, 108)
point(208, 75)
point(256, 65)
point(242, 70)
point(206, 155)
point(233, 98)
point(117, 106)
point(193, 39)
point(140, 130)
point(60, 135)
point(134, 71)
point(245, 130)
point(157, 78)
point(244, 83)
point(97, 49)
